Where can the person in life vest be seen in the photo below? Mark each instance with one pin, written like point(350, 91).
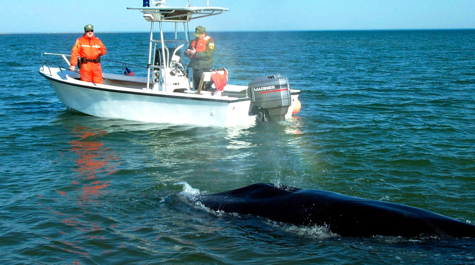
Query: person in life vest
point(89, 49)
point(200, 53)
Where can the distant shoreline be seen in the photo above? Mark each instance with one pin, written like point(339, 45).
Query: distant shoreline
point(250, 31)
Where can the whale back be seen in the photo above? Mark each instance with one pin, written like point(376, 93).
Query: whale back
point(342, 214)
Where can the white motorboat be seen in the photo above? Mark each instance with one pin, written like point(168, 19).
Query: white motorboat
point(166, 94)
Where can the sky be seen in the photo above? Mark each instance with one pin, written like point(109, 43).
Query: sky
point(70, 16)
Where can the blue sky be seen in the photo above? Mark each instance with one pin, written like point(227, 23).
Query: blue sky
point(28, 16)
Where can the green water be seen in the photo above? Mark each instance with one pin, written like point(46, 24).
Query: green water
point(386, 115)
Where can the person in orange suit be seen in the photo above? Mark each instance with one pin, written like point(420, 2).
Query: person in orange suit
point(90, 49)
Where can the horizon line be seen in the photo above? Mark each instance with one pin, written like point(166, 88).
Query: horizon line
point(299, 30)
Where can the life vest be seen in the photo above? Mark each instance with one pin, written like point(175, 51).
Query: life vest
point(201, 45)
point(220, 80)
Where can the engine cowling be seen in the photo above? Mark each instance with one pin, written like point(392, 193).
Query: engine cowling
point(270, 97)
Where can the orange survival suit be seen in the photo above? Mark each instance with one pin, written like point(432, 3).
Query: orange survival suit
point(90, 50)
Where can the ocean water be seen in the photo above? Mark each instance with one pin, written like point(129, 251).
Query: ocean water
point(386, 115)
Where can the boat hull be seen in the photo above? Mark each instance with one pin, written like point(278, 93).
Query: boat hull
point(141, 104)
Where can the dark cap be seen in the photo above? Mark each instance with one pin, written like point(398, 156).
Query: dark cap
point(199, 30)
point(88, 27)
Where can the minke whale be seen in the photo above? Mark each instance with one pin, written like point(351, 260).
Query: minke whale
point(343, 215)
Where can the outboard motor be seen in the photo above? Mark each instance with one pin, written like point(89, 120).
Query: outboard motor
point(270, 97)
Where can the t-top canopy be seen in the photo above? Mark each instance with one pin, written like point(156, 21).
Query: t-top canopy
point(177, 14)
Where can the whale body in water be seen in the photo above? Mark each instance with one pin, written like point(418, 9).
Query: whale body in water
point(344, 215)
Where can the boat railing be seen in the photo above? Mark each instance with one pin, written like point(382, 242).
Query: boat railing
point(124, 64)
point(47, 63)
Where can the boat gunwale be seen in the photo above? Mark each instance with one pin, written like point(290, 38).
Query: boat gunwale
point(142, 93)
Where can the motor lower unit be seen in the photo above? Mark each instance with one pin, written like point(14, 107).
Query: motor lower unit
point(270, 97)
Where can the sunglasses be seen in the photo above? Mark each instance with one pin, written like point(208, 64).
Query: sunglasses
point(89, 31)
